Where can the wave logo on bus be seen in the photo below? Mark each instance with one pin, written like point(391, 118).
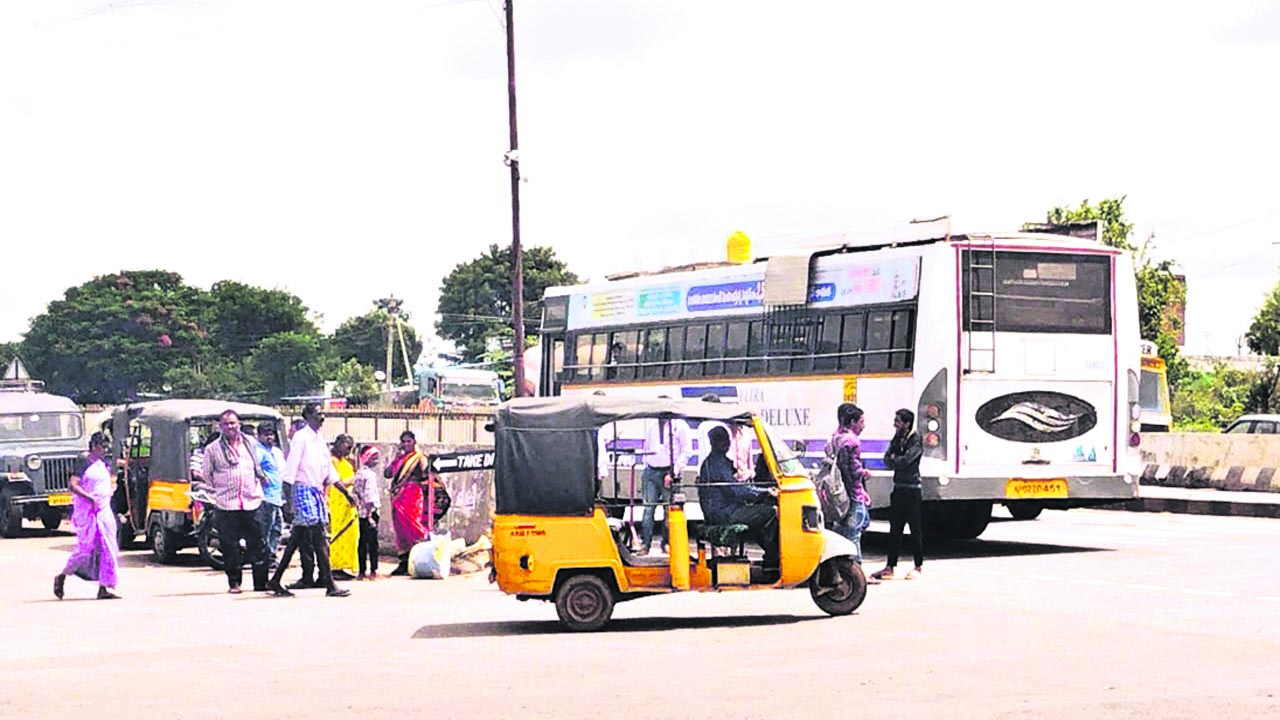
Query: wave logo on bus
point(1036, 417)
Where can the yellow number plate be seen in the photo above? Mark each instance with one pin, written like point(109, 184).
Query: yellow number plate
point(60, 499)
point(1035, 489)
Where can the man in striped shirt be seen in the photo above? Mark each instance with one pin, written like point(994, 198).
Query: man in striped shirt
point(231, 468)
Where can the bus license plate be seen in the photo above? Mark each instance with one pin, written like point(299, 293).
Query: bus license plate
point(60, 499)
point(1036, 489)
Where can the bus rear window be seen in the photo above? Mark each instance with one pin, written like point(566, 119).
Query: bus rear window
point(1037, 292)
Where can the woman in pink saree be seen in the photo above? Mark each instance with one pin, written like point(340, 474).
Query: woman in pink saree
point(96, 554)
point(413, 511)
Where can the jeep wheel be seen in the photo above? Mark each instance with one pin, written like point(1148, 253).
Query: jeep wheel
point(10, 515)
point(51, 518)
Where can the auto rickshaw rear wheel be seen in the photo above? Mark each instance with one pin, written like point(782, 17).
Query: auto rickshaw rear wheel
point(209, 544)
point(838, 586)
point(163, 543)
point(584, 603)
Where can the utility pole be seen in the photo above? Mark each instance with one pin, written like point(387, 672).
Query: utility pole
point(392, 307)
point(513, 161)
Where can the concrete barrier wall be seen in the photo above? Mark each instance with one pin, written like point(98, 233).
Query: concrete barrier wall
point(471, 512)
point(1211, 460)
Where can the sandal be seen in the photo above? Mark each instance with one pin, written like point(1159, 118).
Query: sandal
point(279, 591)
point(884, 574)
point(915, 573)
point(105, 594)
point(59, 585)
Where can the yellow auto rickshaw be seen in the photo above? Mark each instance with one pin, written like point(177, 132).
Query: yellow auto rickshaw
point(556, 539)
point(153, 443)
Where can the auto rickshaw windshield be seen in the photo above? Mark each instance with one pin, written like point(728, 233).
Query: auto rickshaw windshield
point(788, 462)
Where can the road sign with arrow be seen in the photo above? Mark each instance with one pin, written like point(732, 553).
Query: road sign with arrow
point(461, 461)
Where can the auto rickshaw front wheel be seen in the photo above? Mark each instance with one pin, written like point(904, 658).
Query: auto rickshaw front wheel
point(838, 586)
point(584, 603)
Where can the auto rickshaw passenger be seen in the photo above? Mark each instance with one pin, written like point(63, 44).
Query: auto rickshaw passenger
point(726, 501)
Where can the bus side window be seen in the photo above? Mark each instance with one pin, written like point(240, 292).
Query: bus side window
point(695, 349)
point(599, 355)
point(655, 352)
point(756, 348)
point(828, 344)
point(715, 350)
point(582, 359)
point(879, 335)
point(623, 352)
point(736, 347)
point(851, 342)
point(675, 352)
point(901, 340)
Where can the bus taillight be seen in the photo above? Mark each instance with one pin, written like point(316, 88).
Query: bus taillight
point(931, 416)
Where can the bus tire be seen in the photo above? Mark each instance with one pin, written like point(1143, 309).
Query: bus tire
point(1024, 510)
point(584, 603)
point(838, 586)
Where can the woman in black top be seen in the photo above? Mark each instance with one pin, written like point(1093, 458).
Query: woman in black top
point(903, 456)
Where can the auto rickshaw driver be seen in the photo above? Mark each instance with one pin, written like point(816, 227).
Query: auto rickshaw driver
point(726, 501)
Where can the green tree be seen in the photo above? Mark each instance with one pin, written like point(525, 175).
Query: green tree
point(355, 381)
point(221, 378)
point(1263, 337)
point(1158, 288)
point(8, 351)
point(1210, 399)
point(364, 338)
point(116, 336)
point(475, 298)
point(240, 316)
point(289, 364)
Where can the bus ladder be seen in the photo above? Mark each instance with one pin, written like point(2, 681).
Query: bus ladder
point(982, 327)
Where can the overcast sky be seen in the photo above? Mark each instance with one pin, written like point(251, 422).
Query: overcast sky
point(346, 150)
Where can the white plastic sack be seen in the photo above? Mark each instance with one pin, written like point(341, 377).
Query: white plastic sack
point(430, 558)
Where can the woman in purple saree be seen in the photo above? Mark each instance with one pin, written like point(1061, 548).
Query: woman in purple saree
point(96, 553)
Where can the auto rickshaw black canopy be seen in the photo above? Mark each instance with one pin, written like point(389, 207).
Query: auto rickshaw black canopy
point(168, 421)
point(546, 448)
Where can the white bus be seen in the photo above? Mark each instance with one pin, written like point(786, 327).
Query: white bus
point(1018, 352)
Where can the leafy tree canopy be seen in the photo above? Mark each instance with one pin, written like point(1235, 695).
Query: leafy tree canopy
point(355, 381)
point(8, 351)
point(475, 298)
point(364, 338)
point(117, 335)
point(240, 316)
point(1264, 332)
point(290, 363)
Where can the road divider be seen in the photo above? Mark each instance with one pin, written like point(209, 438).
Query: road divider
point(1209, 460)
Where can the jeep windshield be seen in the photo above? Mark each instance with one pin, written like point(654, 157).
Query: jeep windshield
point(41, 426)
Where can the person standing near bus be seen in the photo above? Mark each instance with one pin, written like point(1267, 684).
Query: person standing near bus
point(667, 449)
point(903, 456)
point(847, 449)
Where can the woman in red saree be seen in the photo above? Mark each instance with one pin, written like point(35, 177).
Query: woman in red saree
point(413, 512)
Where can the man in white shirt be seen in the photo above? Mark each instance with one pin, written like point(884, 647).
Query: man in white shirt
point(667, 448)
point(309, 469)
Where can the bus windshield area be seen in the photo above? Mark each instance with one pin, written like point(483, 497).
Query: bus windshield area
point(1153, 391)
point(41, 426)
point(1039, 292)
point(468, 392)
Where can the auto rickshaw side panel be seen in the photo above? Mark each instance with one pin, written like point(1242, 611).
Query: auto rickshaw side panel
point(800, 539)
point(529, 551)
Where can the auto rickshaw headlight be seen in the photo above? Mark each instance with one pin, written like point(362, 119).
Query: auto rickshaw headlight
point(33, 462)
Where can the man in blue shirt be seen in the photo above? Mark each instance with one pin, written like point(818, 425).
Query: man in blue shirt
point(726, 501)
point(271, 514)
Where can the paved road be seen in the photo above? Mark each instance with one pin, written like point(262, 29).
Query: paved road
point(1085, 613)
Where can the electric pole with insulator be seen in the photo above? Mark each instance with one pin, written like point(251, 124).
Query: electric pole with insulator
point(513, 161)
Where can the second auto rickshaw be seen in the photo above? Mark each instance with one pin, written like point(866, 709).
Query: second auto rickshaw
point(555, 539)
point(154, 442)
